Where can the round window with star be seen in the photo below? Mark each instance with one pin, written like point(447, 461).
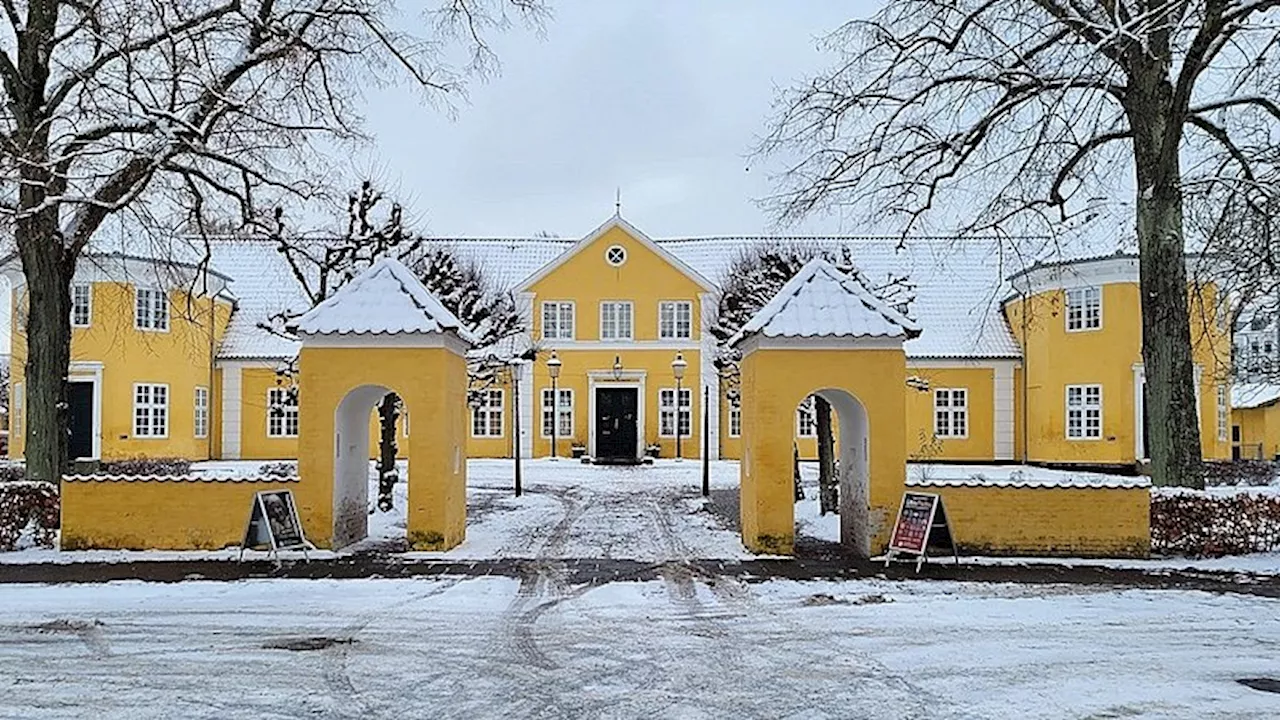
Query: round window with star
point(615, 255)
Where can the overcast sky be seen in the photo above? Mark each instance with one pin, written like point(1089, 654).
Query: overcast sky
point(661, 98)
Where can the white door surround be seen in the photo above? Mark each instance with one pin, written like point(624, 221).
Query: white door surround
point(634, 379)
point(91, 372)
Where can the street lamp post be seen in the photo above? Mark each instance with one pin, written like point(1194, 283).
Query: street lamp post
point(678, 366)
point(553, 367)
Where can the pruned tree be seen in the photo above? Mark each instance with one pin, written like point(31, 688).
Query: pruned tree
point(752, 279)
point(149, 108)
point(1020, 112)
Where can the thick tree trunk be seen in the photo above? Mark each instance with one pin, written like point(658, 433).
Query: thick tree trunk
point(388, 412)
point(828, 485)
point(795, 472)
point(1173, 425)
point(48, 277)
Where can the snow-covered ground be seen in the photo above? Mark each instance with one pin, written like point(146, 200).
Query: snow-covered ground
point(678, 648)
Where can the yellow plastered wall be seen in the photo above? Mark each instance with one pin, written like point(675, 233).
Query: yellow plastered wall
point(255, 442)
point(1055, 358)
point(979, 442)
point(432, 382)
point(1259, 432)
point(157, 515)
point(181, 358)
point(1083, 522)
point(773, 383)
point(491, 446)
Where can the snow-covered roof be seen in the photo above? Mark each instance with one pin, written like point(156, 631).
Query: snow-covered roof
point(263, 286)
point(1018, 476)
point(821, 301)
point(1245, 396)
point(384, 299)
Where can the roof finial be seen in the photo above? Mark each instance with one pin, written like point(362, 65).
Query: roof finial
point(617, 201)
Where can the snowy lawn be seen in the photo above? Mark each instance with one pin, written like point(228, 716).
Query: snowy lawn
point(680, 648)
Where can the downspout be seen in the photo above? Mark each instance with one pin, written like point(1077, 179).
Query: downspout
point(208, 401)
point(1026, 374)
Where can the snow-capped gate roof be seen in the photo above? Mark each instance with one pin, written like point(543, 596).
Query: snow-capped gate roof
point(821, 301)
point(384, 299)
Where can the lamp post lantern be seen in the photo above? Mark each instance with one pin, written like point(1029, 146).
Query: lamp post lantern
point(553, 367)
point(678, 366)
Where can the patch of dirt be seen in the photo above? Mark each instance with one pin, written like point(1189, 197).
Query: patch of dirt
point(306, 644)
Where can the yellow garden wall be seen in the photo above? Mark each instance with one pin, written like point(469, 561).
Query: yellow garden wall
point(166, 514)
point(1083, 522)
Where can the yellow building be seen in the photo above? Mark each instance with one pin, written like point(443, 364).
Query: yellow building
point(1016, 361)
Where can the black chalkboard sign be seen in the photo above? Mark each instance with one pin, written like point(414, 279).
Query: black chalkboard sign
point(921, 525)
point(274, 525)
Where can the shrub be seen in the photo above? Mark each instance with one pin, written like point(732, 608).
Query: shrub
point(146, 466)
point(1201, 524)
point(278, 469)
point(28, 504)
point(10, 471)
point(1254, 473)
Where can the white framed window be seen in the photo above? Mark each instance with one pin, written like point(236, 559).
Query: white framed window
point(951, 412)
point(19, 411)
point(669, 417)
point(1224, 415)
point(565, 413)
point(81, 305)
point(1084, 412)
point(806, 419)
point(615, 255)
point(282, 413)
point(150, 410)
point(151, 309)
point(486, 417)
point(615, 320)
point(675, 320)
point(735, 421)
point(557, 320)
point(202, 412)
point(1084, 309)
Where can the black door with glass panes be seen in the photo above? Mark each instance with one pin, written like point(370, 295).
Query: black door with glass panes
point(80, 420)
point(616, 410)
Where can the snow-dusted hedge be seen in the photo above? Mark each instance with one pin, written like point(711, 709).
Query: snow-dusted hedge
point(145, 466)
point(278, 469)
point(28, 504)
point(1254, 473)
point(1200, 524)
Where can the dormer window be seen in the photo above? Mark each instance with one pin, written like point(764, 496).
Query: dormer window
point(151, 310)
point(1084, 309)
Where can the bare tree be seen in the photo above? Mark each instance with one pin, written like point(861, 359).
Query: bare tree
point(1019, 111)
point(183, 104)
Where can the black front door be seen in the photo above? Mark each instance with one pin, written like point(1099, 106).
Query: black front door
point(616, 424)
point(80, 408)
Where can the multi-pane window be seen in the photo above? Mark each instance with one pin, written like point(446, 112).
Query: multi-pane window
point(1084, 308)
point(282, 413)
point(735, 422)
point(150, 410)
point(806, 420)
point(1223, 413)
point(1084, 412)
point(615, 321)
point(557, 320)
point(565, 412)
point(202, 412)
point(81, 305)
point(668, 416)
point(675, 320)
point(951, 412)
point(151, 309)
point(486, 416)
point(19, 410)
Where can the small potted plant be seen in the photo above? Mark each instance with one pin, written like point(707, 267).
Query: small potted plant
point(578, 450)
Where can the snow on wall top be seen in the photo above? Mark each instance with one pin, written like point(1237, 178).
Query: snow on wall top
point(1245, 396)
point(821, 301)
point(385, 299)
point(1017, 476)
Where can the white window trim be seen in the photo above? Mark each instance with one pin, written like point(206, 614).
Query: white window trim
point(1084, 428)
point(631, 315)
point(284, 424)
point(1222, 412)
point(168, 404)
point(89, 314)
point(675, 322)
point(1066, 321)
point(622, 261)
point(542, 408)
point(732, 411)
point(19, 412)
point(573, 331)
point(195, 425)
point(488, 411)
point(168, 316)
point(663, 408)
point(813, 410)
point(952, 412)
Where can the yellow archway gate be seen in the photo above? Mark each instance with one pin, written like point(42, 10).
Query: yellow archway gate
point(382, 332)
point(824, 333)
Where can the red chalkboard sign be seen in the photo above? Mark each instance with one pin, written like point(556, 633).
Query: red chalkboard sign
point(922, 523)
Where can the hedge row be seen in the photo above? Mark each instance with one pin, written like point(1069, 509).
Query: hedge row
point(28, 504)
point(1201, 524)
